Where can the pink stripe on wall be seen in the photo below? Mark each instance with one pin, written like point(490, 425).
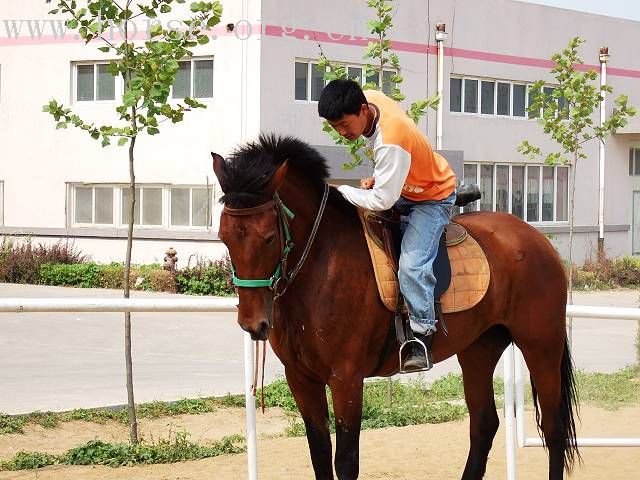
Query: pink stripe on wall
point(426, 49)
point(69, 37)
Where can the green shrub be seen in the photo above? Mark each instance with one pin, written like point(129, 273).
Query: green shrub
point(29, 461)
point(206, 278)
point(20, 260)
point(83, 275)
point(625, 271)
point(111, 276)
point(606, 273)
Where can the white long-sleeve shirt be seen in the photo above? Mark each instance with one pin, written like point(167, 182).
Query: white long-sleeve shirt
point(392, 164)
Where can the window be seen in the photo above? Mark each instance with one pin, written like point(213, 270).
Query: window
point(156, 206)
point(190, 207)
point(309, 80)
point(634, 161)
point(489, 97)
point(519, 100)
point(486, 188)
point(93, 205)
point(94, 83)
point(517, 191)
point(148, 201)
point(504, 99)
point(470, 96)
point(534, 193)
point(194, 79)
point(455, 94)
point(502, 188)
point(470, 177)
point(301, 81)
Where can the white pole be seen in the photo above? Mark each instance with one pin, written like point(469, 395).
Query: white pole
point(509, 413)
point(519, 402)
point(250, 402)
point(441, 35)
point(611, 313)
point(252, 447)
point(44, 305)
point(604, 56)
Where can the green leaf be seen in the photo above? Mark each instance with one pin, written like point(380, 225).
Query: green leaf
point(153, 131)
point(104, 49)
point(203, 39)
point(123, 141)
point(73, 23)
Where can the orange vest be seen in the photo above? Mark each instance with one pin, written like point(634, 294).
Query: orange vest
point(430, 176)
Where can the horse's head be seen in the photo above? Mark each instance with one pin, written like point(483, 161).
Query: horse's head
point(254, 237)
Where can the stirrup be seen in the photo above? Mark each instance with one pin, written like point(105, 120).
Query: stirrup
point(427, 356)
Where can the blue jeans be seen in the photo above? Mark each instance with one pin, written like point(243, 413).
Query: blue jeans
point(422, 225)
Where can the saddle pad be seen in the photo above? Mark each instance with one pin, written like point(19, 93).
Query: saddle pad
point(469, 275)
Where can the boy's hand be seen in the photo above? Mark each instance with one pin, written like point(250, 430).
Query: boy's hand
point(367, 183)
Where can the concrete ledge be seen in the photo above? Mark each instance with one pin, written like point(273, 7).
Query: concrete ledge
point(116, 233)
point(581, 228)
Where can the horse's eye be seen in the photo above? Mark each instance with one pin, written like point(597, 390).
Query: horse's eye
point(270, 239)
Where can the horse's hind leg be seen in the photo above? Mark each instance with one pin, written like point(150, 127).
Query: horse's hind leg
point(478, 362)
point(311, 398)
point(551, 370)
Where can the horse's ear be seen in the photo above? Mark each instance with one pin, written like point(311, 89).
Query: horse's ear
point(218, 162)
point(278, 177)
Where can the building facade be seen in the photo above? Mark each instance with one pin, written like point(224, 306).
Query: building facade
point(57, 184)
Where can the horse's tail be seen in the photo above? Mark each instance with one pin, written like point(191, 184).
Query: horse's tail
point(568, 409)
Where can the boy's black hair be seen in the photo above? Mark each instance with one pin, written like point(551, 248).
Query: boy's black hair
point(340, 97)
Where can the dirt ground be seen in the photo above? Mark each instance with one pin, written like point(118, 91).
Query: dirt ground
point(437, 452)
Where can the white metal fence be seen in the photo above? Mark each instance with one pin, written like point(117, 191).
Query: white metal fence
point(136, 305)
point(513, 363)
point(514, 384)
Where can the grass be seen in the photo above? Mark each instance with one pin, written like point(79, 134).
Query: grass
point(97, 452)
point(412, 402)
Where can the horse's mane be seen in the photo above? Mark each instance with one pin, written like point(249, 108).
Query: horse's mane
point(247, 170)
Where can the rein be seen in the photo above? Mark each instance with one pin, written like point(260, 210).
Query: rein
point(281, 275)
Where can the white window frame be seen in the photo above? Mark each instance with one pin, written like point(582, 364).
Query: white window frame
point(211, 193)
point(636, 160)
point(193, 69)
point(539, 222)
point(118, 206)
point(310, 63)
point(118, 87)
point(93, 205)
point(495, 81)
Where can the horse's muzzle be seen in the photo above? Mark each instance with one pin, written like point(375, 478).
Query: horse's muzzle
point(261, 332)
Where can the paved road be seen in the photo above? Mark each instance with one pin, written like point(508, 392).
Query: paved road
point(64, 361)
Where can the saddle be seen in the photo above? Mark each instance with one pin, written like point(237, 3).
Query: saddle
point(461, 268)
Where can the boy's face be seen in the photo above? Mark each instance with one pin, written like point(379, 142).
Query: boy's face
point(352, 126)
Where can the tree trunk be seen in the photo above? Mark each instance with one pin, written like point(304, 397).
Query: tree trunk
point(133, 422)
point(571, 225)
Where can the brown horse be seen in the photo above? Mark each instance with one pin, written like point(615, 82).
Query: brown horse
point(328, 327)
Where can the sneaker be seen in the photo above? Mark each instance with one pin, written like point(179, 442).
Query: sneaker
point(416, 360)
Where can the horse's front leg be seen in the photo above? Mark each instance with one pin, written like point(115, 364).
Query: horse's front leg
point(347, 406)
point(311, 398)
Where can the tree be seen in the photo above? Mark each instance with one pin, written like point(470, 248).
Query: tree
point(381, 55)
point(567, 118)
point(149, 70)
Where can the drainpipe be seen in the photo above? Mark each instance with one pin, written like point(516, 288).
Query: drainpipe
point(604, 57)
point(441, 36)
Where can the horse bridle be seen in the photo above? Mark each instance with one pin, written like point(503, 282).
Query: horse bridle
point(281, 278)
